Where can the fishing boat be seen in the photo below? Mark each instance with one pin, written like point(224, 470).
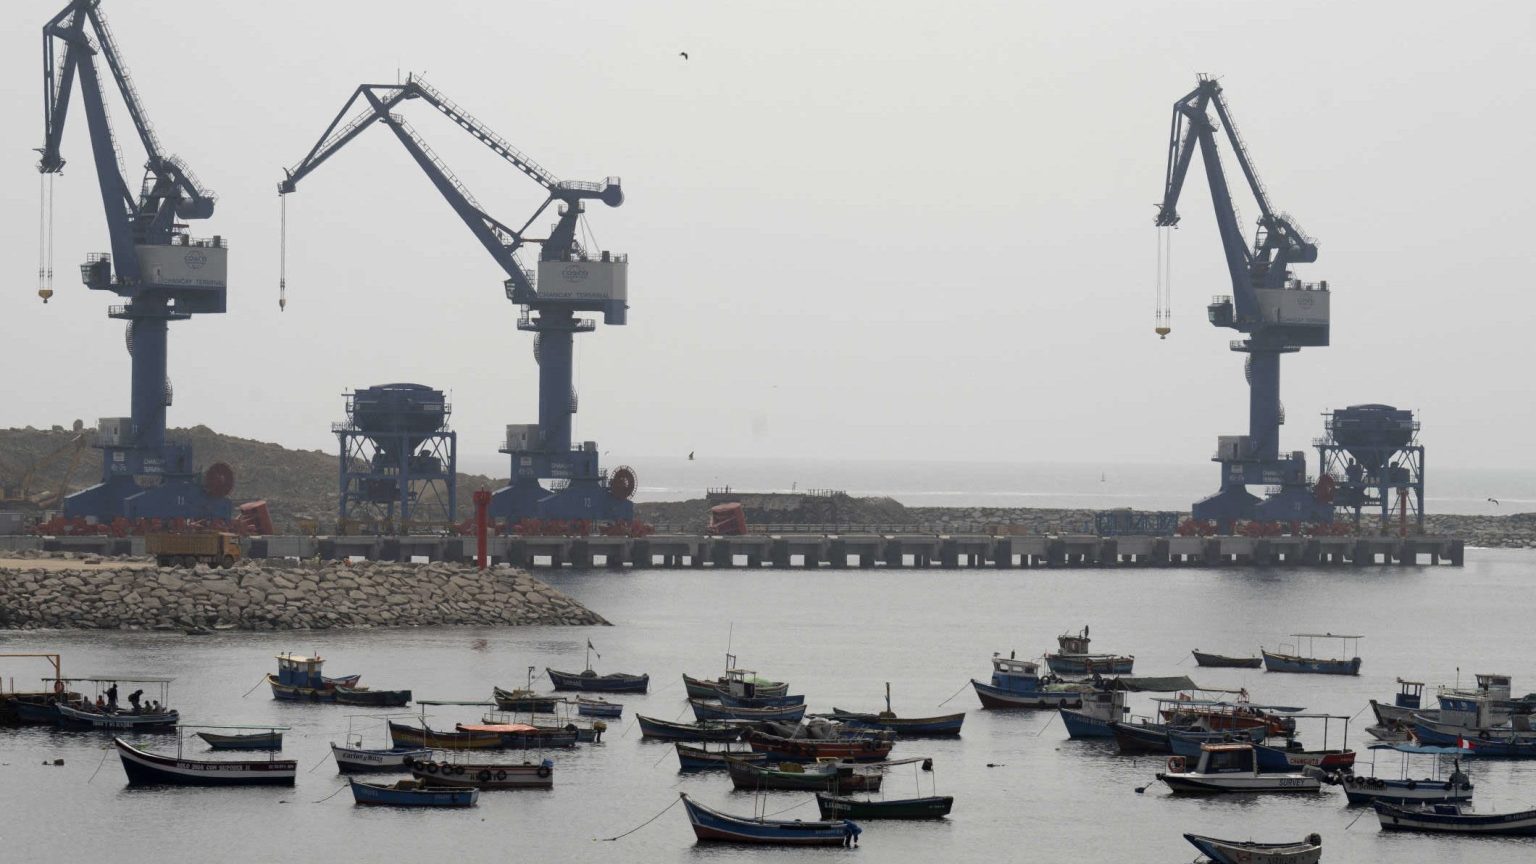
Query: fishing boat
point(268, 740)
point(352, 757)
point(591, 682)
point(912, 727)
point(821, 776)
point(712, 825)
point(1186, 742)
point(1018, 684)
point(1406, 790)
point(1231, 768)
point(486, 775)
point(523, 735)
point(690, 758)
point(406, 735)
point(1073, 658)
point(153, 769)
point(1307, 851)
point(1221, 661)
point(299, 679)
point(736, 681)
point(598, 708)
point(730, 701)
point(1292, 754)
point(412, 793)
point(1309, 663)
point(525, 701)
point(1100, 708)
point(665, 730)
point(838, 807)
point(82, 713)
point(1218, 715)
point(1141, 736)
point(377, 698)
point(715, 711)
point(1408, 700)
point(1455, 819)
point(854, 749)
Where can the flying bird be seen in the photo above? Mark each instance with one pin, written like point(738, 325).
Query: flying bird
point(1495, 501)
point(683, 54)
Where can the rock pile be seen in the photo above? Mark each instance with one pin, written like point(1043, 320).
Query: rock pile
point(252, 596)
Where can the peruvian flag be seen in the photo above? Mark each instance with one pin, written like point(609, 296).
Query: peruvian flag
point(1462, 743)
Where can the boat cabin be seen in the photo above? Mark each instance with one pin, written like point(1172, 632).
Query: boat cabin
point(1494, 686)
point(1410, 694)
point(1105, 705)
point(1074, 643)
point(294, 670)
point(1009, 673)
point(1226, 759)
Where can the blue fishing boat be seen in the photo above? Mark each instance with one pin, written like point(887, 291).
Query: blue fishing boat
point(711, 711)
point(1018, 684)
point(1294, 661)
point(1142, 736)
point(1073, 658)
point(413, 793)
point(271, 739)
point(1433, 789)
point(665, 730)
point(598, 708)
point(1101, 709)
point(712, 825)
point(927, 727)
point(590, 682)
point(299, 679)
point(1455, 819)
point(1186, 742)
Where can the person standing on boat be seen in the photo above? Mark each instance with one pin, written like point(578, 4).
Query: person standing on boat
point(851, 832)
point(112, 697)
point(133, 699)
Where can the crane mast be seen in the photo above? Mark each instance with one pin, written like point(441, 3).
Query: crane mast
point(570, 279)
point(1278, 314)
point(161, 272)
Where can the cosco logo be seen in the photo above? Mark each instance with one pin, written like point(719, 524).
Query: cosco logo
point(1305, 301)
point(195, 260)
point(574, 273)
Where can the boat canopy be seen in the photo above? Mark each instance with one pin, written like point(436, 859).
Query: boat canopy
point(1424, 749)
point(1325, 636)
point(507, 728)
point(1215, 703)
point(125, 679)
point(1166, 684)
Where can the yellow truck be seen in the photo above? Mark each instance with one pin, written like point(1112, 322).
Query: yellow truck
point(214, 548)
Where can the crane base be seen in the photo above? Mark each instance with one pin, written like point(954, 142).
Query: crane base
point(174, 498)
point(582, 499)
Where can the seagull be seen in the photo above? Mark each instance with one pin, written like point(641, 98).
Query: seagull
point(683, 54)
point(1495, 501)
point(690, 455)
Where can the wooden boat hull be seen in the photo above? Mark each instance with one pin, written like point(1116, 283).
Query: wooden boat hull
point(817, 778)
point(259, 741)
point(487, 775)
point(998, 697)
point(1225, 720)
point(152, 769)
point(810, 749)
point(730, 701)
point(291, 693)
point(74, 718)
point(1217, 784)
point(663, 730)
point(402, 735)
point(700, 759)
point(361, 760)
point(1242, 852)
point(932, 727)
point(34, 709)
point(701, 688)
point(708, 711)
point(1080, 725)
point(380, 698)
point(1274, 662)
point(1141, 737)
point(397, 796)
point(1516, 824)
point(1217, 661)
point(713, 826)
point(616, 682)
point(836, 807)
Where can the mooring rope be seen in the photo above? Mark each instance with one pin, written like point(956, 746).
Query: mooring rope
point(253, 689)
point(105, 751)
point(641, 825)
point(333, 794)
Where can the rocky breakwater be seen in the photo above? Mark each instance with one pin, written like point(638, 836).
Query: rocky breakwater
point(260, 597)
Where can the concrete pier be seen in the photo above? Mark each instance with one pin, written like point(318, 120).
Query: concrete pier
point(835, 551)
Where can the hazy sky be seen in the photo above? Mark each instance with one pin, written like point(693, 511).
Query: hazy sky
point(886, 230)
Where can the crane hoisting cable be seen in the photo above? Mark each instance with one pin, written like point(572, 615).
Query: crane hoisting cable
point(1164, 313)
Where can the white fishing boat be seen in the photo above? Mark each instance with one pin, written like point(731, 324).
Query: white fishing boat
point(1308, 851)
point(1231, 768)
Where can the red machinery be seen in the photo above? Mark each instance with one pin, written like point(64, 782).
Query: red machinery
point(727, 519)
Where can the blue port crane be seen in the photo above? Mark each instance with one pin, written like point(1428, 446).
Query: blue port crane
point(570, 279)
point(162, 273)
point(1278, 314)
